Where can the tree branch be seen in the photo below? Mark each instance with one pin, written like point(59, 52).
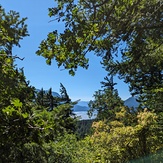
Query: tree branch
point(14, 57)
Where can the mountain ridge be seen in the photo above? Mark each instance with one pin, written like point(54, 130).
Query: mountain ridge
point(130, 102)
point(81, 108)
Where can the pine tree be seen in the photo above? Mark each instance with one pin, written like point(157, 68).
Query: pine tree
point(106, 102)
point(40, 97)
point(64, 95)
point(16, 95)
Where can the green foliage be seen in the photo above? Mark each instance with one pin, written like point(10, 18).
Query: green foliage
point(106, 102)
point(13, 83)
point(99, 26)
point(62, 117)
point(128, 37)
point(156, 157)
point(42, 128)
point(12, 30)
point(117, 142)
point(126, 34)
point(62, 150)
point(32, 153)
point(46, 99)
point(25, 124)
point(64, 95)
point(17, 127)
point(65, 118)
point(84, 128)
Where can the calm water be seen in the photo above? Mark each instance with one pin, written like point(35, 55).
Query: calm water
point(83, 115)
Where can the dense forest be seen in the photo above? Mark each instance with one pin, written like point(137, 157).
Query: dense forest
point(37, 127)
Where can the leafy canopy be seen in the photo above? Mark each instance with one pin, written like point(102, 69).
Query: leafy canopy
point(127, 34)
point(99, 27)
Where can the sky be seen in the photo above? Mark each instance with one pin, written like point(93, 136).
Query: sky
point(83, 84)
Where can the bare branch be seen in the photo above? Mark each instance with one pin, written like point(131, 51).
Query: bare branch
point(33, 127)
point(18, 58)
point(14, 57)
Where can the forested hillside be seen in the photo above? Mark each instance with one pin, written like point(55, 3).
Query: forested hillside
point(38, 127)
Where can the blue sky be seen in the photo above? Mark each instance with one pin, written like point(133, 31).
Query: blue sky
point(83, 84)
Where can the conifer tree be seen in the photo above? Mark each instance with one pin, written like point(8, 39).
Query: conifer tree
point(16, 95)
point(106, 102)
point(40, 97)
point(64, 95)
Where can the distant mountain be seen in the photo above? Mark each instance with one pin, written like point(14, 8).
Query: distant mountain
point(131, 102)
point(82, 107)
point(83, 103)
point(55, 94)
point(81, 110)
point(78, 108)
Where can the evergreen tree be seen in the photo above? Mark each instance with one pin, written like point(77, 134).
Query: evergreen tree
point(40, 97)
point(46, 99)
point(51, 99)
point(16, 95)
point(64, 94)
point(106, 102)
point(62, 116)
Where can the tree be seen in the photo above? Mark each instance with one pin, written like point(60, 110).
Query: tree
point(51, 99)
point(106, 102)
point(130, 30)
point(62, 119)
point(17, 126)
point(117, 141)
point(98, 26)
point(40, 97)
point(12, 30)
point(13, 83)
point(64, 95)
point(46, 99)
